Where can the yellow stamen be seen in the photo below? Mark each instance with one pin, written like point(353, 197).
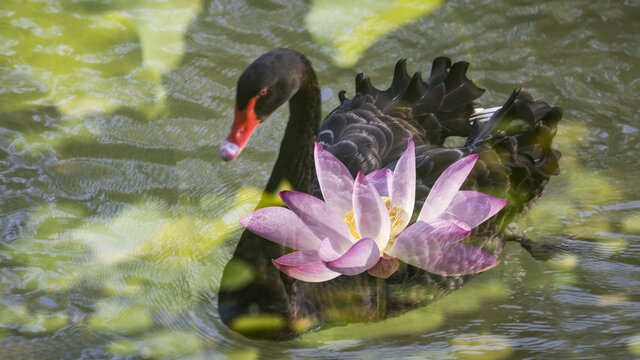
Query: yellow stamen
point(396, 215)
point(351, 223)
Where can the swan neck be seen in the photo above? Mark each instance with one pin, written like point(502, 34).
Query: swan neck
point(295, 161)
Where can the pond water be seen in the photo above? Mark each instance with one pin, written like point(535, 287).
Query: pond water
point(117, 215)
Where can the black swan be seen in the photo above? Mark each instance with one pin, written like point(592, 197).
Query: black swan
point(369, 132)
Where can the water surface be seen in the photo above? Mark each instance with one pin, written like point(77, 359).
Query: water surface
point(117, 216)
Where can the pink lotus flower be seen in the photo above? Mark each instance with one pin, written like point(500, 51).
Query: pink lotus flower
point(363, 224)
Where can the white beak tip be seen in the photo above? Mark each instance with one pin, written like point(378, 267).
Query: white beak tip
point(229, 150)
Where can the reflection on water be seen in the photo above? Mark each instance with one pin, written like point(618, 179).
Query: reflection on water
point(116, 216)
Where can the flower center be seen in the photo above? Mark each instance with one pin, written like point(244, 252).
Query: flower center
point(396, 215)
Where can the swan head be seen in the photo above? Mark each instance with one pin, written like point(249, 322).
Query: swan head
point(265, 85)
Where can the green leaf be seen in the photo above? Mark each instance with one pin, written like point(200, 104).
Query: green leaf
point(348, 28)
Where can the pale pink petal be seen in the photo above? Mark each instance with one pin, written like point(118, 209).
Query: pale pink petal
point(327, 252)
point(319, 218)
point(370, 213)
point(384, 267)
point(381, 180)
point(282, 226)
point(336, 183)
point(403, 184)
point(474, 207)
point(304, 265)
point(446, 187)
point(362, 256)
point(453, 259)
point(416, 239)
point(454, 219)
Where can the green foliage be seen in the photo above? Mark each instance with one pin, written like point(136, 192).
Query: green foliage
point(163, 344)
point(148, 262)
point(91, 57)
point(142, 268)
point(248, 324)
point(348, 28)
point(482, 346)
point(582, 190)
point(123, 318)
point(633, 344)
point(631, 224)
point(423, 320)
point(239, 275)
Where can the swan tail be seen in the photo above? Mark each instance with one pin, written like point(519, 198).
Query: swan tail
point(441, 105)
point(371, 129)
point(521, 122)
point(516, 154)
point(515, 147)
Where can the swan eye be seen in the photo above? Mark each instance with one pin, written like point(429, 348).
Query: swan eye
point(262, 92)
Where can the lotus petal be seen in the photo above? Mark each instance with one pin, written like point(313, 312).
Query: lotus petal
point(336, 182)
point(319, 218)
point(362, 256)
point(403, 184)
point(446, 187)
point(370, 213)
point(453, 259)
point(474, 207)
point(281, 226)
point(384, 267)
point(454, 219)
point(381, 180)
point(326, 251)
point(417, 238)
point(304, 265)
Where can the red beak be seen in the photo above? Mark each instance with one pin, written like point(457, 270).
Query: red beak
point(244, 124)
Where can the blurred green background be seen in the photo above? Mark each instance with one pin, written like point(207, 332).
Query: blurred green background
point(117, 216)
